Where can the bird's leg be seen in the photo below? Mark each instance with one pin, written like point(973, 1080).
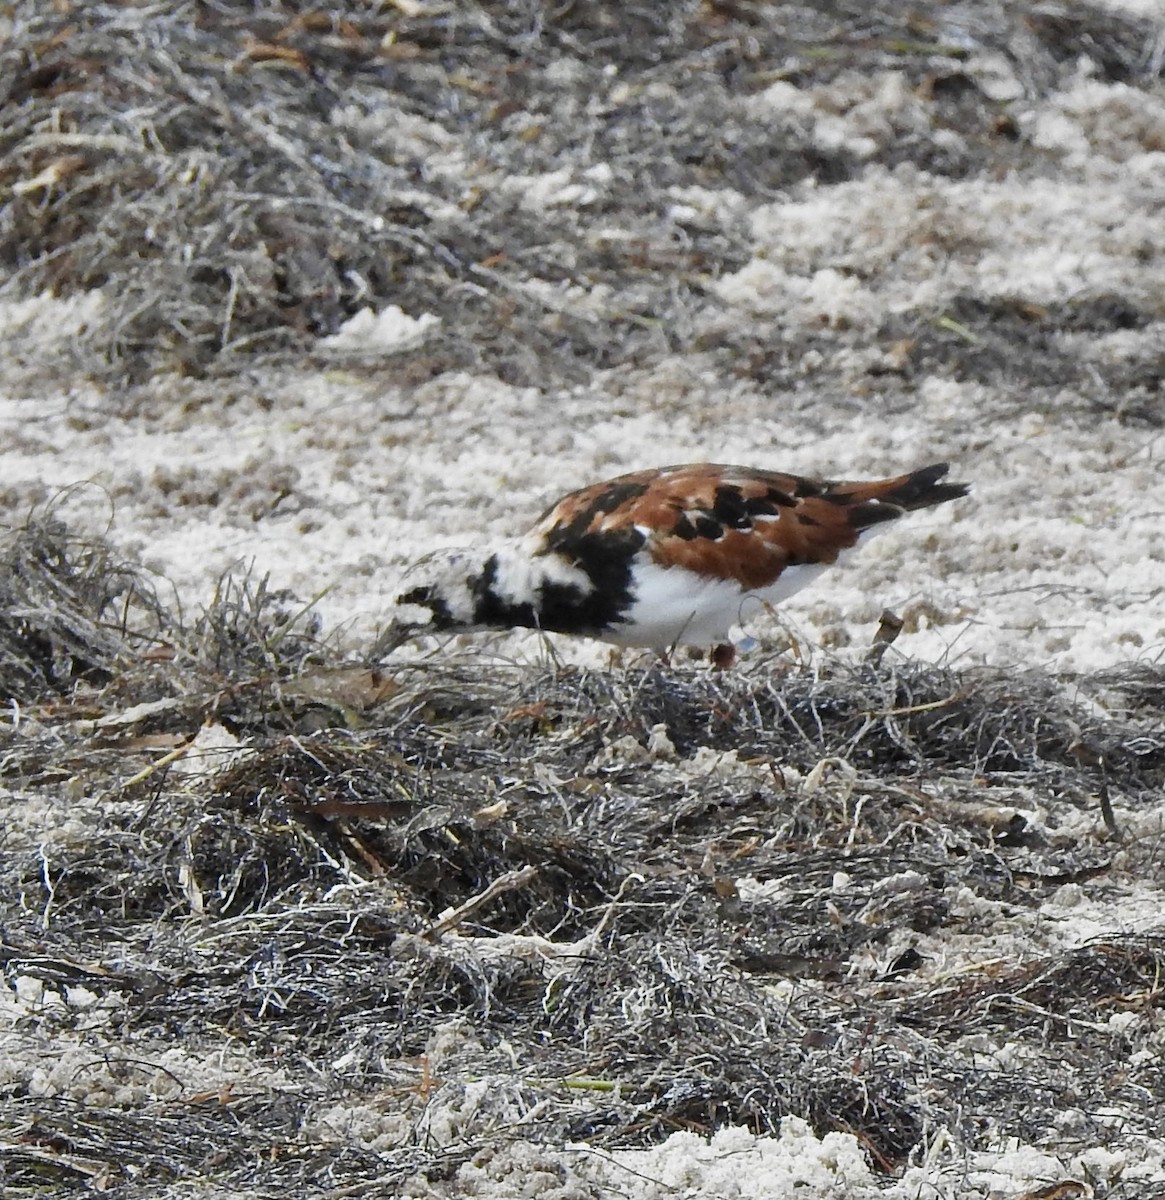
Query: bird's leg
point(722, 657)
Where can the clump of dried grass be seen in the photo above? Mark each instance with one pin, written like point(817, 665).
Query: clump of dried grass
point(70, 611)
point(67, 1148)
point(249, 632)
point(72, 614)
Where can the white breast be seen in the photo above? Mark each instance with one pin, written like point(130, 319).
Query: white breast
point(674, 606)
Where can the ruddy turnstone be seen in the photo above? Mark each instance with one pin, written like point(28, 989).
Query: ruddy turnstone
point(660, 558)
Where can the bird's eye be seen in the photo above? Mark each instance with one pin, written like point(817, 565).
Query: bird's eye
point(435, 615)
point(422, 596)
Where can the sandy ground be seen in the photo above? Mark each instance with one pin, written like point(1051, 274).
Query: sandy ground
point(332, 483)
point(1057, 559)
point(330, 477)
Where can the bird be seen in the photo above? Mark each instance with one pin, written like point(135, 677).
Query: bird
point(659, 558)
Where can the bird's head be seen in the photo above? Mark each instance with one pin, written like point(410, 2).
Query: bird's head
point(440, 593)
point(463, 590)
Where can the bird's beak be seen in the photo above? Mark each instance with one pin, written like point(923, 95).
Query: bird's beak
point(394, 635)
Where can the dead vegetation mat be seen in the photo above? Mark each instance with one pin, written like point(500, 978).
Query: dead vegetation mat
point(239, 179)
point(606, 905)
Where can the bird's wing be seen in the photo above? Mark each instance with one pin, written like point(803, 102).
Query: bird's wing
point(732, 522)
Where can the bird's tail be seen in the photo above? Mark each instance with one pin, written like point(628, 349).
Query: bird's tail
point(884, 499)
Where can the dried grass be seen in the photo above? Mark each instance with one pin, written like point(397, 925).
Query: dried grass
point(619, 984)
point(66, 609)
point(241, 179)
